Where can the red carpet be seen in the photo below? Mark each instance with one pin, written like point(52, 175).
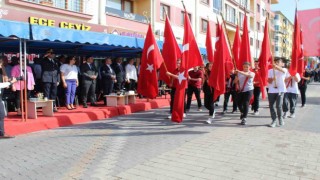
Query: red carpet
point(14, 125)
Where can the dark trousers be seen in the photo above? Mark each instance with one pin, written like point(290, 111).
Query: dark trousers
point(172, 93)
point(209, 102)
point(18, 97)
point(118, 86)
point(289, 98)
point(89, 91)
point(50, 91)
point(2, 114)
point(226, 100)
point(107, 88)
point(131, 86)
point(256, 94)
point(303, 90)
point(275, 100)
point(196, 91)
point(243, 102)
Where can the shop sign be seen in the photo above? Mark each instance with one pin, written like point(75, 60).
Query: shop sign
point(63, 24)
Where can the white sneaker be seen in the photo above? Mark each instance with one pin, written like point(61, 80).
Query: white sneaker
point(199, 109)
point(256, 113)
point(209, 121)
point(169, 117)
point(213, 115)
point(284, 116)
point(184, 115)
point(281, 123)
point(273, 124)
point(292, 115)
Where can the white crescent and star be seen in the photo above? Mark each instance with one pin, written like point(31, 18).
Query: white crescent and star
point(149, 50)
point(185, 48)
point(215, 40)
point(150, 67)
point(181, 77)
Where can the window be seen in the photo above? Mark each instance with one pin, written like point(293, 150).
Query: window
point(182, 17)
point(268, 15)
point(163, 10)
point(276, 38)
point(263, 12)
point(258, 8)
point(204, 25)
point(262, 28)
point(251, 41)
point(243, 3)
point(258, 26)
point(217, 5)
point(205, 1)
point(60, 4)
point(230, 14)
point(276, 17)
point(276, 27)
point(74, 5)
point(257, 44)
point(122, 5)
point(241, 17)
point(276, 48)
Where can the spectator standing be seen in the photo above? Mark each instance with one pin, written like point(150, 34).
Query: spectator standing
point(120, 74)
point(108, 78)
point(37, 71)
point(303, 84)
point(131, 76)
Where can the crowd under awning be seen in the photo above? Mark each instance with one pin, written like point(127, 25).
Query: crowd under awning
point(67, 41)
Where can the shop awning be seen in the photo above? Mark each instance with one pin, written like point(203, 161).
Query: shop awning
point(14, 29)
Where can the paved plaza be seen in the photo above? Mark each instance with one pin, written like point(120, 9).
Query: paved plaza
point(146, 145)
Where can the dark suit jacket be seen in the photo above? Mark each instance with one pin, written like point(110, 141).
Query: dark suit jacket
point(120, 72)
point(86, 72)
point(106, 73)
point(50, 71)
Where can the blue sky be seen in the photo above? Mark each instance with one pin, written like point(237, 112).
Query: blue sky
point(287, 7)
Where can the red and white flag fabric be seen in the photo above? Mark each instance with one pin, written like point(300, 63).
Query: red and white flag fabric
point(265, 59)
point(245, 54)
point(236, 48)
point(218, 73)
point(209, 45)
point(150, 62)
point(301, 61)
point(296, 47)
point(190, 58)
point(170, 53)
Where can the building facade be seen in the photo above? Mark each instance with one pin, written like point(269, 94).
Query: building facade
point(283, 36)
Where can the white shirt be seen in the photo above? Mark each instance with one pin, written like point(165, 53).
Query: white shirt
point(294, 87)
point(249, 84)
point(280, 77)
point(69, 71)
point(131, 72)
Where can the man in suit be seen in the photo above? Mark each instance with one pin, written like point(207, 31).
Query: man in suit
point(108, 78)
point(120, 74)
point(50, 76)
point(89, 81)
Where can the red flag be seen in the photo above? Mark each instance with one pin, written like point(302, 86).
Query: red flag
point(265, 59)
point(209, 44)
point(245, 55)
point(170, 52)
point(236, 48)
point(296, 47)
point(190, 58)
point(218, 75)
point(150, 62)
point(301, 62)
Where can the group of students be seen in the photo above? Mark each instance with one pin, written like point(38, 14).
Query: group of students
point(244, 88)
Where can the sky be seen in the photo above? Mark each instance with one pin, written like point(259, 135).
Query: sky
point(287, 7)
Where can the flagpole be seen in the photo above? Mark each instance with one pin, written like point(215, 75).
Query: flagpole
point(184, 7)
point(229, 44)
point(164, 63)
point(272, 57)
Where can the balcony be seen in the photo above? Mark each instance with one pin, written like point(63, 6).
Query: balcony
point(126, 15)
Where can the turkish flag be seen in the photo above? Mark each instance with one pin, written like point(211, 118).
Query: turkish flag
point(296, 47)
point(190, 58)
point(218, 73)
point(236, 48)
point(170, 52)
point(265, 59)
point(245, 54)
point(301, 62)
point(209, 44)
point(150, 61)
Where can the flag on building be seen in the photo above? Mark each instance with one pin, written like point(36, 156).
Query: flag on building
point(170, 53)
point(150, 61)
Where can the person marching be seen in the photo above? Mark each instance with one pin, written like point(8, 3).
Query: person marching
point(256, 90)
point(230, 90)
point(303, 86)
point(291, 95)
point(208, 94)
point(277, 88)
point(245, 79)
point(174, 83)
point(194, 86)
